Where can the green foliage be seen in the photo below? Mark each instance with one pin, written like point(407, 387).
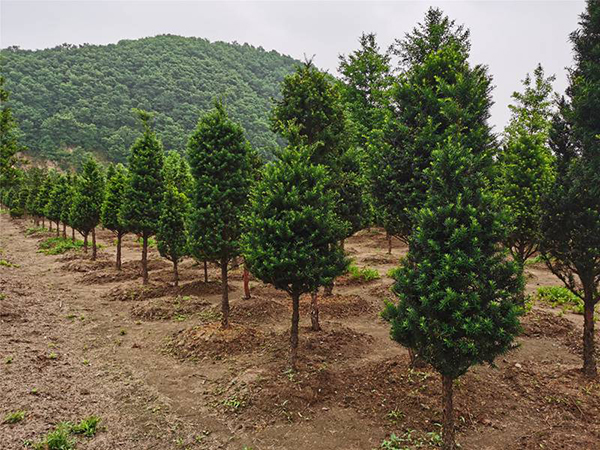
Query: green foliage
point(171, 236)
point(366, 74)
point(140, 210)
point(14, 417)
point(457, 291)
point(116, 182)
point(87, 427)
point(5, 263)
point(177, 172)
point(365, 274)
point(43, 194)
point(526, 165)
point(221, 164)
point(9, 142)
point(58, 201)
point(292, 230)
point(88, 197)
point(408, 441)
point(436, 89)
point(79, 97)
point(558, 296)
point(58, 245)
point(58, 439)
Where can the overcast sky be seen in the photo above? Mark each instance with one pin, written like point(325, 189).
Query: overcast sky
point(511, 37)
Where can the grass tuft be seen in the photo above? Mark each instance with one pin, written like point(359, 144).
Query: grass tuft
point(365, 274)
point(558, 296)
point(59, 245)
point(14, 417)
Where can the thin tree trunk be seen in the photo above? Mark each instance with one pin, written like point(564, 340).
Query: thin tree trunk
point(57, 228)
point(294, 331)
point(119, 239)
point(43, 222)
point(94, 248)
point(145, 258)
point(448, 418)
point(205, 272)
point(64, 230)
point(343, 243)
point(73, 234)
point(246, 283)
point(175, 273)
point(589, 356)
point(225, 297)
point(314, 311)
point(85, 242)
point(49, 225)
point(389, 239)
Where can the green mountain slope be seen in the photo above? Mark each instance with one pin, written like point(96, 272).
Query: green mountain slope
point(71, 99)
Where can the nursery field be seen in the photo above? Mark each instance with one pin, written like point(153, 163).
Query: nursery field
point(79, 339)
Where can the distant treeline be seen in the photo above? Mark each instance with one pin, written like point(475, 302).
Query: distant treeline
point(71, 99)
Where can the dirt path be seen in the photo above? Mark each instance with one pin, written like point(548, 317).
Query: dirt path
point(85, 340)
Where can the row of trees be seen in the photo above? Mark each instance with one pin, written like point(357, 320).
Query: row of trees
point(409, 149)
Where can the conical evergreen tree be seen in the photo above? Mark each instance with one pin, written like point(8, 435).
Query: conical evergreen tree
point(435, 89)
point(171, 237)
point(457, 290)
point(116, 182)
point(57, 201)
point(221, 163)
point(526, 164)
point(143, 194)
point(293, 232)
point(571, 225)
point(87, 202)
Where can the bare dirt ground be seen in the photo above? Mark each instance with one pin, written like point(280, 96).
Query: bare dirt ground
point(78, 338)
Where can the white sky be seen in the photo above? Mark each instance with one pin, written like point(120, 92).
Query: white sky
point(511, 37)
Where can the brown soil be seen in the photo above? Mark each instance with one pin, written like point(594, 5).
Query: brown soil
point(161, 373)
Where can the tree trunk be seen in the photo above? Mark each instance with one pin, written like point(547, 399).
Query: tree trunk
point(314, 311)
point(246, 283)
point(294, 331)
point(328, 290)
point(389, 239)
point(145, 258)
point(119, 239)
point(448, 419)
point(73, 234)
point(85, 242)
point(49, 225)
point(225, 298)
point(205, 272)
point(589, 356)
point(57, 228)
point(94, 248)
point(343, 243)
point(416, 362)
point(175, 273)
point(43, 222)
point(64, 230)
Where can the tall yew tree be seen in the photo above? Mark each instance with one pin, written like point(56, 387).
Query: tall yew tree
point(144, 191)
point(571, 225)
point(221, 163)
point(116, 182)
point(293, 233)
point(526, 164)
point(87, 202)
point(436, 87)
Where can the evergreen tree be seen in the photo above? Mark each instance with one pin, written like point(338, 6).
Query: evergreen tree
point(435, 89)
point(116, 182)
point(43, 197)
point(65, 215)
point(176, 172)
point(366, 74)
point(526, 166)
point(312, 103)
point(87, 202)
point(144, 191)
point(221, 164)
point(57, 201)
point(293, 233)
point(456, 288)
point(171, 237)
point(35, 180)
point(571, 224)
point(9, 143)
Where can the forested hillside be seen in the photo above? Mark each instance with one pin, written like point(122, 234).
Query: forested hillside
point(71, 99)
